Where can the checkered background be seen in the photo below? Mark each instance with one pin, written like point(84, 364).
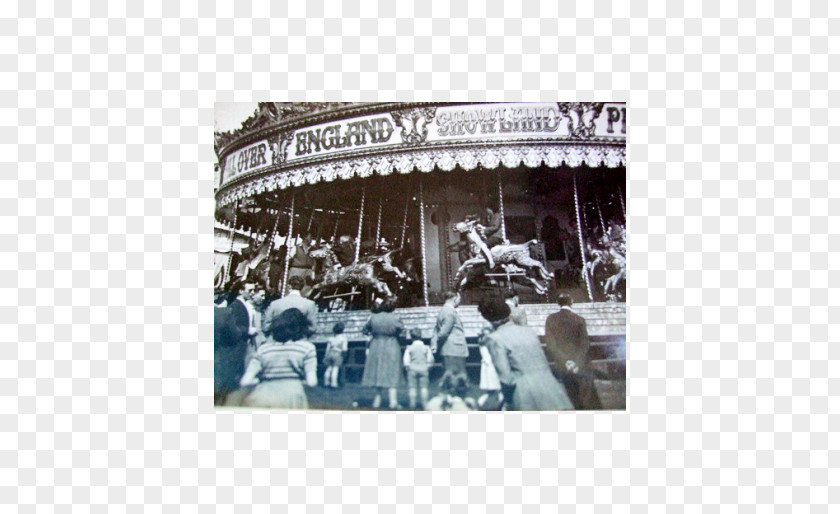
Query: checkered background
point(106, 263)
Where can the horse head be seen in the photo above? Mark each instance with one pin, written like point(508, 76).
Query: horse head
point(463, 227)
point(323, 252)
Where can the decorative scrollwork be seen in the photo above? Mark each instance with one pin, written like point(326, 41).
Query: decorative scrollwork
point(581, 117)
point(268, 113)
point(279, 142)
point(414, 123)
point(426, 159)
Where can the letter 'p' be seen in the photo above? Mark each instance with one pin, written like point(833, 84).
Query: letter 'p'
point(613, 115)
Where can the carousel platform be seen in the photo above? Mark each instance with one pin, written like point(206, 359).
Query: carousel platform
point(606, 323)
point(602, 320)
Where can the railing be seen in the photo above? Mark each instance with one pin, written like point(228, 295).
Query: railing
point(603, 352)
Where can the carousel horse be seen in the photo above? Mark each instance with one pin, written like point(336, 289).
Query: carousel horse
point(475, 272)
point(236, 262)
point(399, 270)
point(256, 264)
point(513, 258)
point(609, 264)
point(264, 266)
point(385, 262)
point(252, 258)
point(360, 274)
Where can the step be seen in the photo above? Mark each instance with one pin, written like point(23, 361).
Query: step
point(602, 319)
point(606, 324)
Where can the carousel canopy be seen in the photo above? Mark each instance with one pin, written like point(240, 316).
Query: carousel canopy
point(290, 145)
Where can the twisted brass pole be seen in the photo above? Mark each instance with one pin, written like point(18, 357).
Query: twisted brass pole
point(288, 249)
point(423, 245)
point(232, 240)
point(580, 239)
point(502, 207)
point(405, 221)
point(378, 221)
point(359, 232)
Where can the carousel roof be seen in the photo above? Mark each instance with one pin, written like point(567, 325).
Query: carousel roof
point(290, 145)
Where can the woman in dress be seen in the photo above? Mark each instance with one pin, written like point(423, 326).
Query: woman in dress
point(383, 364)
point(526, 378)
point(282, 364)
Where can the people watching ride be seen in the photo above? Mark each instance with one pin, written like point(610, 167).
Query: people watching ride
point(567, 343)
point(293, 299)
point(334, 355)
point(417, 360)
point(448, 336)
point(283, 365)
point(524, 372)
point(383, 363)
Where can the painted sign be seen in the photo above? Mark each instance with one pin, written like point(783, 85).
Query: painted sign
point(430, 124)
point(331, 137)
point(249, 159)
point(562, 120)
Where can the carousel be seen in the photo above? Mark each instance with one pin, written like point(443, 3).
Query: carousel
point(410, 200)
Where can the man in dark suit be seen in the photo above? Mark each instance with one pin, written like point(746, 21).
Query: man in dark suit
point(567, 343)
point(230, 340)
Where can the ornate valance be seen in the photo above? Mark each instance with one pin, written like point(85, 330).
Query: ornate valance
point(425, 159)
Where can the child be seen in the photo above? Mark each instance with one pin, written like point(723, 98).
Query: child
point(334, 356)
point(417, 359)
point(492, 398)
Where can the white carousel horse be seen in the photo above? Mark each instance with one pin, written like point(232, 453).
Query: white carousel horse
point(609, 265)
point(511, 258)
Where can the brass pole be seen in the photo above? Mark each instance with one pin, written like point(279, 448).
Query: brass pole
point(359, 232)
point(272, 233)
point(232, 239)
point(621, 199)
point(288, 239)
point(335, 227)
point(502, 207)
point(423, 245)
point(600, 217)
point(309, 225)
point(580, 239)
point(379, 220)
point(405, 220)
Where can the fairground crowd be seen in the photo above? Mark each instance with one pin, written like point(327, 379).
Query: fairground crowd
point(264, 356)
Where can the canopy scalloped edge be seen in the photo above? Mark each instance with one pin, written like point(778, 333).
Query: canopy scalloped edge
point(426, 160)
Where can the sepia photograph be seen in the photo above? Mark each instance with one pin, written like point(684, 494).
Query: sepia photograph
point(420, 256)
